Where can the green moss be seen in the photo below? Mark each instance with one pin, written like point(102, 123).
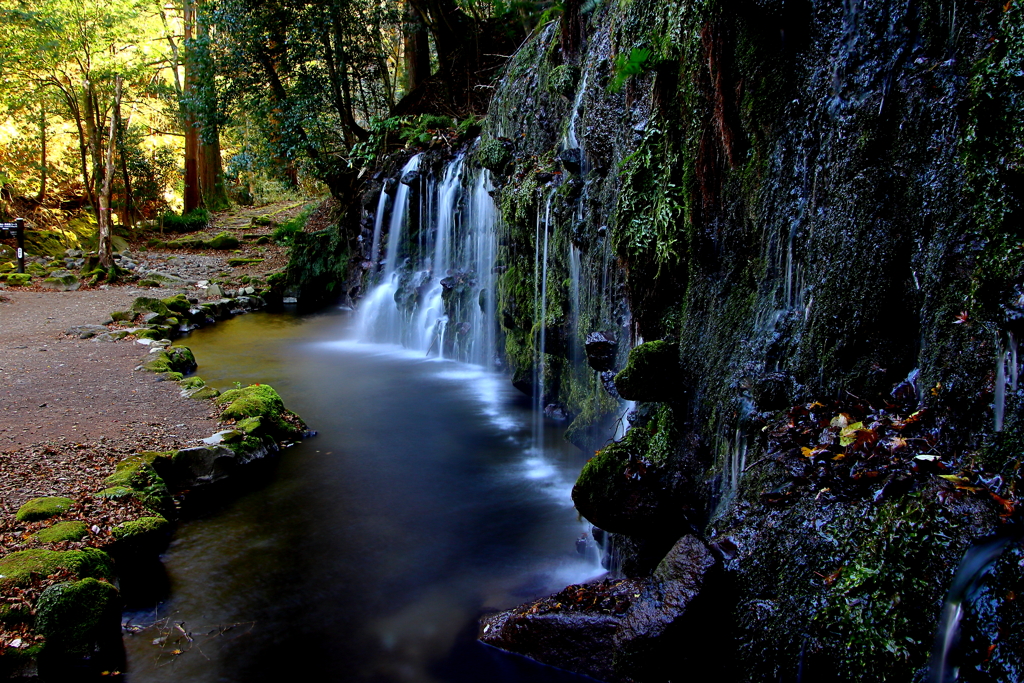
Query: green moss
point(493, 155)
point(17, 568)
point(116, 492)
point(193, 382)
point(257, 400)
point(145, 304)
point(177, 304)
point(204, 393)
point(17, 279)
point(43, 508)
point(122, 316)
point(250, 425)
point(73, 616)
point(562, 80)
point(223, 241)
point(235, 262)
point(139, 474)
point(178, 359)
point(651, 374)
point(144, 527)
point(63, 531)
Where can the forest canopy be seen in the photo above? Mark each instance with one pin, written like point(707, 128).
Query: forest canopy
point(125, 109)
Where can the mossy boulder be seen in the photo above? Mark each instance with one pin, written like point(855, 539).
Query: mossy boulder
point(562, 80)
point(146, 304)
point(18, 568)
point(652, 373)
point(172, 359)
point(62, 281)
point(262, 401)
point(115, 492)
point(18, 279)
point(143, 536)
point(75, 616)
point(194, 382)
point(43, 508)
point(621, 491)
point(223, 240)
point(63, 531)
point(203, 393)
point(177, 304)
point(139, 474)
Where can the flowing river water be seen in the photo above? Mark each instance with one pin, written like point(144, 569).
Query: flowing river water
point(376, 544)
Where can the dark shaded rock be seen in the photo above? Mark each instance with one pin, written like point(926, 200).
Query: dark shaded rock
point(604, 629)
point(601, 349)
point(75, 617)
point(572, 160)
point(619, 491)
point(652, 373)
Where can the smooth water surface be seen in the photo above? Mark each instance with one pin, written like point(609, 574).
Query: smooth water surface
point(376, 544)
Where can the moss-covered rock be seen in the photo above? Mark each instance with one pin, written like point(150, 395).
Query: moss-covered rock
point(172, 359)
point(261, 401)
point(622, 491)
point(223, 240)
point(194, 382)
point(494, 155)
point(146, 304)
point(17, 568)
point(651, 374)
point(115, 492)
point(177, 304)
point(62, 281)
point(204, 393)
point(75, 616)
point(139, 474)
point(43, 508)
point(63, 531)
point(17, 279)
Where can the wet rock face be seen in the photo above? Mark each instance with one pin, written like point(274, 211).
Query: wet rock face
point(617, 630)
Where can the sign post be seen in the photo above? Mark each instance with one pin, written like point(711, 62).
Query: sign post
point(17, 231)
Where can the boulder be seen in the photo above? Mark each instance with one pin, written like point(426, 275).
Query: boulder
point(77, 616)
point(62, 281)
point(205, 465)
point(86, 331)
point(601, 350)
point(621, 492)
point(652, 373)
point(63, 531)
point(43, 508)
point(18, 568)
point(223, 240)
point(613, 630)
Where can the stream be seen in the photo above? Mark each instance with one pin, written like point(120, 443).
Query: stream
point(375, 545)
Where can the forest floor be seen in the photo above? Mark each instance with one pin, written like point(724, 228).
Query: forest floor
point(71, 408)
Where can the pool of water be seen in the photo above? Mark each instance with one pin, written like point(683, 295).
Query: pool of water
point(375, 545)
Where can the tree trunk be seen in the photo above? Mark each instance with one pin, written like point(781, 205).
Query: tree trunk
point(127, 201)
point(416, 43)
point(447, 23)
point(213, 192)
point(42, 155)
point(192, 197)
point(105, 247)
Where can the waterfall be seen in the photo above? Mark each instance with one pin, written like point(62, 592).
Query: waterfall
point(378, 224)
point(435, 291)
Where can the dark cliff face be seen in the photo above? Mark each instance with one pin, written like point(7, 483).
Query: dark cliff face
point(817, 207)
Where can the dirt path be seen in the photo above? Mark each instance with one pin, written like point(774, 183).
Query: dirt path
point(69, 397)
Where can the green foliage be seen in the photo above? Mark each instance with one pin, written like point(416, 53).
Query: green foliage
point(198, 219)
point(285, 233)
point(627, 66)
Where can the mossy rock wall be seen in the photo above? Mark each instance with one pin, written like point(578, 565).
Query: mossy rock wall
point(807, 202)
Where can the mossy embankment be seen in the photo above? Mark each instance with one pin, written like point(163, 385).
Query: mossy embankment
point(75, 559)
